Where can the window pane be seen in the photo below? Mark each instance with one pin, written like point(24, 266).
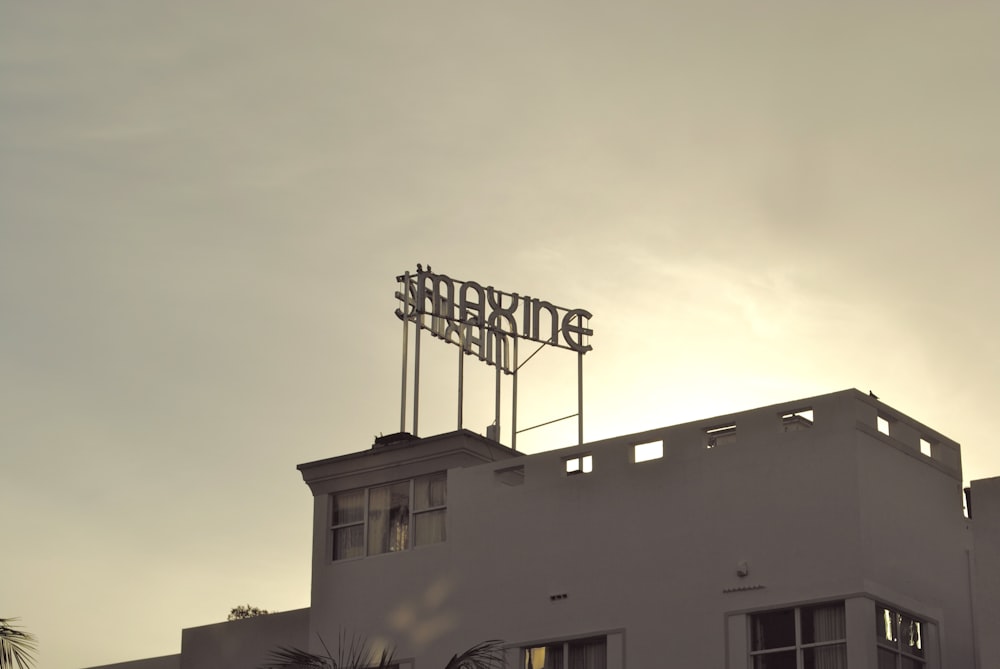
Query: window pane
point(430, 491)
point(349, 507)
point(349, 542)
point(886, 622)
point(825, 657)
point(543, 657)
point(588, 654)
point(775, 629)
point(429, 527)
point(886, 659)
point(823, 623)
point(783, 660)
point(910, 663)
point(909, 636)
point(388, 518)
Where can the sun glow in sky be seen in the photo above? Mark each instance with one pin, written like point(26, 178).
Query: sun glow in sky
point(204, 206)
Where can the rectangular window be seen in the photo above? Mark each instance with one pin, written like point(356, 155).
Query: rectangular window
point(389, 518)
point(900, 640)
point(581, 464)
point(349, 525)
point(806, 637)
point(430, 497)
point(590, 653)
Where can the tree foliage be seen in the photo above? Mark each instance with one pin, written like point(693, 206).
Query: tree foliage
point(485, 655)
point(245, 611)
point(354, 652)
point(17, 648)
point(358, 653)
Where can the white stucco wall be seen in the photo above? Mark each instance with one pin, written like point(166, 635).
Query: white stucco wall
point(650, 554)
point(985, 562)
point(650, 550)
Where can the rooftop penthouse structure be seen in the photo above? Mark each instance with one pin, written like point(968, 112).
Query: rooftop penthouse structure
point(825, 533)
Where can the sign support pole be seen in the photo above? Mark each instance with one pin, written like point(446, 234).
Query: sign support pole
point(496, 401)
point(406, 331)
point(579, 398)
point(461, 376)
point(513, 401)
point(416, 371)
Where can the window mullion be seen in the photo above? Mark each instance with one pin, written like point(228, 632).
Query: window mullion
point(332, 533)
point(411, 539)
point(799, 660)
point(364, 521)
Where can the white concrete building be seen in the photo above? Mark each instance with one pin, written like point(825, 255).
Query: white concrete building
point(823, 533)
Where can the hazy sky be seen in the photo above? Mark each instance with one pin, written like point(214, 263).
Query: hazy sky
point(203, 207)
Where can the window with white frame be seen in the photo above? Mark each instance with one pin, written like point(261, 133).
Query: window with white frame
point(805, 637)
point(900, 640)
point(389, 518)
point(589, 653)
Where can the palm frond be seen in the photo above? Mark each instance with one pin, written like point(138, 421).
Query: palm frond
point(485, 655)
point(353, 652)
point(17, 648)
point(293, 658)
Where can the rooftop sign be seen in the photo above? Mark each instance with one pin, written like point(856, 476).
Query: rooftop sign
point(485, 321)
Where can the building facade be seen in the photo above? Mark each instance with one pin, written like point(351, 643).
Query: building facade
point(823, 533)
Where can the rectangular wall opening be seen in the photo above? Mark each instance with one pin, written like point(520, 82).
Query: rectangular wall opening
point(792, 421)
point(882, 424)
point(720, 435)
point(581, 464)
point(652, 450)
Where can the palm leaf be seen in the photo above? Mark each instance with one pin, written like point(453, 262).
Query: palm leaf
point(353, 652)
point(293, 658)
point(17, 648)
point(485, 655)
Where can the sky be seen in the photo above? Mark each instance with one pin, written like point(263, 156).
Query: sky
point(204, 206)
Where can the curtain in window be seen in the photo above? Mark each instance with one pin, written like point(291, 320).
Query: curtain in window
point(349, 542)
point(348, 524)
point(428, 527)
point(824, 623)
point(588, 654)
point(825, 657)
point(388, 518)
point(820, 624)
point(378, 520)
point(544, 657)
point(430, 491)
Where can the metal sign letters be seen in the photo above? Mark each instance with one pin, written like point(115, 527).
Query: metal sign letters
point(486, 323)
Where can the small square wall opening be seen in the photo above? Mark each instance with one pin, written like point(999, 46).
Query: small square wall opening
point(579, 464)
point(882, 424)
point(925, 447)
point(801, 419)
point(652, 450)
